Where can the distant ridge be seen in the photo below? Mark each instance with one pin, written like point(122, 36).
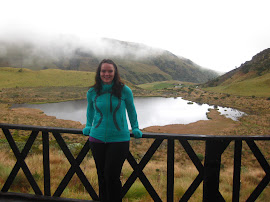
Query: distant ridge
point(137, 63)
point(251, 78)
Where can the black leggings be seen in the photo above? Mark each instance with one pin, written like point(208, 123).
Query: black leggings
point(109, 159)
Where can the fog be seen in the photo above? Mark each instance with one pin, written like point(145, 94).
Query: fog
point(65, 45)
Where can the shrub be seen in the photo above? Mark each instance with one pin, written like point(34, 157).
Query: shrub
point(136, 191)
point(200, 157)
point(4, 171)
point(75, 149)
point(20, 183)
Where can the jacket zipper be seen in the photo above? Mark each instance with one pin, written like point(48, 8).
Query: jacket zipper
point(107, 116)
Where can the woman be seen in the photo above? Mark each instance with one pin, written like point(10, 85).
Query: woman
point(108, 99)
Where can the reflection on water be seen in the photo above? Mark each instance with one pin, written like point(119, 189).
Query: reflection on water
point(151, 111)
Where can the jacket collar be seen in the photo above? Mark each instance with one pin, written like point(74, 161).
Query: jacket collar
point(107, 87)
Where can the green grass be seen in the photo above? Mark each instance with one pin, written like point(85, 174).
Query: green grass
point(258, 86)
point(15, 77)
point(136, 191)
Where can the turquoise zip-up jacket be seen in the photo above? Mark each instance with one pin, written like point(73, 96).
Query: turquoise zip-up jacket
point(106, 115)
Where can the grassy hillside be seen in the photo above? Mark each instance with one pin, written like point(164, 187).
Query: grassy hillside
point(140, 72)
point(15, 77)
point(251, 79)
point(257, 86)
point(51, 85)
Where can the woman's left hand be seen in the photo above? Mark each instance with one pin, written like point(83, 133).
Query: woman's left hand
point(137, 133)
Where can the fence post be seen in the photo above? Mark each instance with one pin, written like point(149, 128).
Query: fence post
point(237, 170)
point(170, 170)
point(213, 151)
point(46, 164)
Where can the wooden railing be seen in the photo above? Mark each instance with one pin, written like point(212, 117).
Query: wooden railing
point(208, 174)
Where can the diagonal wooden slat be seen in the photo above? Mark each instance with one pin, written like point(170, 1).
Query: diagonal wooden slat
point(264, 164)
point(259, 156)
point(258, 190)
point(196, 161)
point(139, 173)
point(141, 165)
point(192, 188)
point(71, 171)
point(192, 155)
point(75, 167)
point(20, 156)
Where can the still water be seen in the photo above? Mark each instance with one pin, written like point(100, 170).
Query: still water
point(152, 111)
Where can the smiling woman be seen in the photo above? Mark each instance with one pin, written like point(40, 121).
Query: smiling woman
point(106, 125)
point(107, 73)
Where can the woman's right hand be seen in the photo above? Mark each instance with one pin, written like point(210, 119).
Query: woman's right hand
point(86, 131)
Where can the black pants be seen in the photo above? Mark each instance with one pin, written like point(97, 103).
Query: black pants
point(109, 159)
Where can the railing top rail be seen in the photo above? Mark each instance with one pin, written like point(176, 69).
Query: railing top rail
point(41, 128)
point(145, 135)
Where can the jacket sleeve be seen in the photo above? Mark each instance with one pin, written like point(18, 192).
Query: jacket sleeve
point(132, 114)
point(89, 114)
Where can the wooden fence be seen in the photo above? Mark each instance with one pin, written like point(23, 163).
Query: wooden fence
point(208, 174)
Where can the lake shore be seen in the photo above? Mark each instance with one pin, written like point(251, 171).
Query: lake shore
point(216, 125)
point(255, 123)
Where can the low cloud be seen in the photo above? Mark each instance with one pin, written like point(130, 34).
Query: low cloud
point(63, 45)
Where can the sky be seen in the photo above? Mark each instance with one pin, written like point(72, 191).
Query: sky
point(215, 34)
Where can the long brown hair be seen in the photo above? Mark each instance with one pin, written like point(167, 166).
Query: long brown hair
point(117, 83)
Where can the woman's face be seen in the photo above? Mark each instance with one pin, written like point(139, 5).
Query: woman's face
point(107, 72)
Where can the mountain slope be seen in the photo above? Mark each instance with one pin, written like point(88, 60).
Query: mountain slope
point(19, 78)
point(137, 63)
point(251, 79)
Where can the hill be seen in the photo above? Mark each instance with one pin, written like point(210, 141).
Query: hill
point(250, 79)
point(138, 63)
point(22, 77)
point(21, 85)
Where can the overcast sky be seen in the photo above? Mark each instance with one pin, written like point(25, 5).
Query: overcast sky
point(215, 34)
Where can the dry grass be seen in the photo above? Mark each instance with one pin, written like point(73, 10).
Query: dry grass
point(256, 123)
point(155, 171)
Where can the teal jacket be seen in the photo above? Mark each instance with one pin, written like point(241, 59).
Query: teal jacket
point(106, 115)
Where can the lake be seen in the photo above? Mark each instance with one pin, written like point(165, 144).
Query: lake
point(152, 111)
